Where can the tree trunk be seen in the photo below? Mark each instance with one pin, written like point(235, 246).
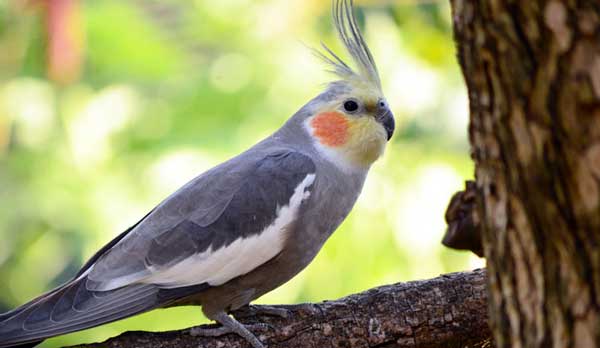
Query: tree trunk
point(532, 68)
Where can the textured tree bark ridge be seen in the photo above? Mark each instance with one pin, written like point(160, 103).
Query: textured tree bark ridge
point(464, 225)
point(533, 73)
point(449, 311)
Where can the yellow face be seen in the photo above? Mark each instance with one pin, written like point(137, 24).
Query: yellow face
point(353, 127)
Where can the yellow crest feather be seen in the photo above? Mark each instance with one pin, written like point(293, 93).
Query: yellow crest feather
point(352, 38)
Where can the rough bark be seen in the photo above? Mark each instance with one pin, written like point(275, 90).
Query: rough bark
point(464, 224)
point(448, 311)
point(533, 73)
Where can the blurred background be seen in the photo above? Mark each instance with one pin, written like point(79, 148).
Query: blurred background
point(107, 106)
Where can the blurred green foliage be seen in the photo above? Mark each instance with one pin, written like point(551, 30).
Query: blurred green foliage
point(168, 89)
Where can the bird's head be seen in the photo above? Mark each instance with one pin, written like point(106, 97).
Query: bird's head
point(351, 121)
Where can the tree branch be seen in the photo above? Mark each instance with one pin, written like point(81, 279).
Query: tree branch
point(449, 311)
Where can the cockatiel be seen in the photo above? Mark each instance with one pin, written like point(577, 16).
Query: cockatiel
point(241, 229)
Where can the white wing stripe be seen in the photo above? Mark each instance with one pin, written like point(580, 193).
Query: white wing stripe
point(216, 267)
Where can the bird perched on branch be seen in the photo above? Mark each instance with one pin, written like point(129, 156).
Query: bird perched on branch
point(241, 229)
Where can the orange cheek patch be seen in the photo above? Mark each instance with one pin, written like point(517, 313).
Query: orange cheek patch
point(331, 128)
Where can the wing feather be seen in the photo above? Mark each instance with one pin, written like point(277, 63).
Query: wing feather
point(177, 246)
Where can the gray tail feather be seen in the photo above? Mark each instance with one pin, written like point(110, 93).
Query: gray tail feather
point(72, 308)
point(26, 345)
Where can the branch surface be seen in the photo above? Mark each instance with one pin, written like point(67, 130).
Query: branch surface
point(449, 311)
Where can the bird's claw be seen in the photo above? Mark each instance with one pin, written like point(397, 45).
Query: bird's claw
point(252, 310)
point(210, 332)
point(224, 330)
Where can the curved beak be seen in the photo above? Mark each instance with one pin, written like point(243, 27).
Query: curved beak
point(386, 118)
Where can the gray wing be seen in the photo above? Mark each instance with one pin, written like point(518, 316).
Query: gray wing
point(230, 208)
point(72, 307)
point(222, 224)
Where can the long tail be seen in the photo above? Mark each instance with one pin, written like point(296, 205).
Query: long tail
point(72, 307)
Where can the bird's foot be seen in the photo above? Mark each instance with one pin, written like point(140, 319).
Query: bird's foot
point(224, 330)
point(230, 325)
point(252, 310)
point(210, 332)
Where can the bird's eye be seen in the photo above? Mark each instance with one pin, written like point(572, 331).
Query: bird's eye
point(350, 105)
